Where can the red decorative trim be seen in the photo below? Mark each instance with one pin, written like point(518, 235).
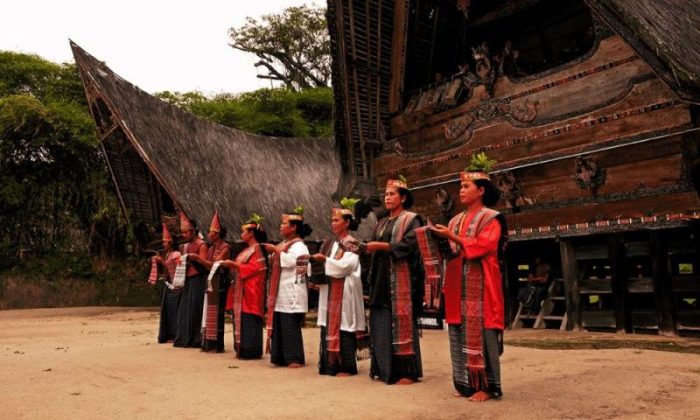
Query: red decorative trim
point(579, 75)
point(553, 132)
point(574, 227)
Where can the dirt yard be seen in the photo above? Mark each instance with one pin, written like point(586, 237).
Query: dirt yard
point(106, 363)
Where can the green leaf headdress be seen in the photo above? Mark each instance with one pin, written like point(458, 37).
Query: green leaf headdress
point(478, 168)
point(347, 207)
point(254, 222)
point(297, 214)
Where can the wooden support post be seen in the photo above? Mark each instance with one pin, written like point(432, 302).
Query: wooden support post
point(569, 268)
point(619, 283)
point(663, 294)
point(398, 54)
point(507, 305)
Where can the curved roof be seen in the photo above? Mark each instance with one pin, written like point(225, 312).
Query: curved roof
point(205, 166)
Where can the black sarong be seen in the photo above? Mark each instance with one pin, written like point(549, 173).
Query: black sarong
point(287, 344)
point(189, 314)
point(251, 336)
point(384, 364)
point(348, 355)
point(168, 314)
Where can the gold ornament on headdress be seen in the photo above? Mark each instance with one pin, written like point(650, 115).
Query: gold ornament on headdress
point(298, 214)
point(399, 182)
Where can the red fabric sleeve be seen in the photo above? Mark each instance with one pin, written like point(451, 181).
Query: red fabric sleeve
point(484, 243)
point(245, 270)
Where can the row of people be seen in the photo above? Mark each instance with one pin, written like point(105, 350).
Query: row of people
point(278, 276)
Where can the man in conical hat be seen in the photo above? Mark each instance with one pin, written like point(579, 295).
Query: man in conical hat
point(185, 223)
point(219, 250)
point(171, 298)
point(189, 314)
point(395, 295)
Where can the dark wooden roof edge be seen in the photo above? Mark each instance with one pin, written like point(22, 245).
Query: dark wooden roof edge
point(666, 72)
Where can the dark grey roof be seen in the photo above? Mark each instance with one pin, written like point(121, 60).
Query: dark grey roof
point(205, 166)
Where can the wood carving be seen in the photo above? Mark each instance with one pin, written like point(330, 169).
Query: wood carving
point(489, 109)
point(463, 6)
point(588, 174)
point(511, 190)
point(444, 203)
point(484, 68)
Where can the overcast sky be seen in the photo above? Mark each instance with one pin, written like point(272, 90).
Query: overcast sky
point(158, 45)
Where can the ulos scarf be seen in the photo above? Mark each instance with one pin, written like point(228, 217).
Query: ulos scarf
point(432, 262)
point(334, 308)
point(180, 273)
point(172, 259)
point(401, 303)
point(153, 276)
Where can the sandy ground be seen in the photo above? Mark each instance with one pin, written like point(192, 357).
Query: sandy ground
point(106, 363)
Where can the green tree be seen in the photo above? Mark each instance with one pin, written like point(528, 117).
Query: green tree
point(293, 46)
point(54, 185)
point(270, 112)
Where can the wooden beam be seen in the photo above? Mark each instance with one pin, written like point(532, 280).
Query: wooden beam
point(430, 77)
point(570, 272)
point(663, 295)
point(398, 54)
point(619, 283)
point(356, 93)
point(344, 77)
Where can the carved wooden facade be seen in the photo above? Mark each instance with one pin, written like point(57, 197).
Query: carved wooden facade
point(596, 152)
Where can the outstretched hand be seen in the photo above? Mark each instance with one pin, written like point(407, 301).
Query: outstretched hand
point(441, 231)
point(230, 264)
point(318, 257)
point(374, 246)
point(269, 248)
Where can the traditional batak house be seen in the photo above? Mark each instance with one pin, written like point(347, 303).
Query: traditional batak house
point(588, 107)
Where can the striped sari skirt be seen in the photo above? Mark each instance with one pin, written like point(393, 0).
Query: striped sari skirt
point(459, 361)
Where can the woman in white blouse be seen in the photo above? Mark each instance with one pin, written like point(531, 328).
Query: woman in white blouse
point(287, 292)
point(341, 312)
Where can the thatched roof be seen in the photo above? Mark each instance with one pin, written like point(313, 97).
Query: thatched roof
point(204, 166)
point(666, 33)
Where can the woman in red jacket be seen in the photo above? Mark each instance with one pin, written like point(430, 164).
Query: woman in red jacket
point(247, 293)
point(474, 308)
